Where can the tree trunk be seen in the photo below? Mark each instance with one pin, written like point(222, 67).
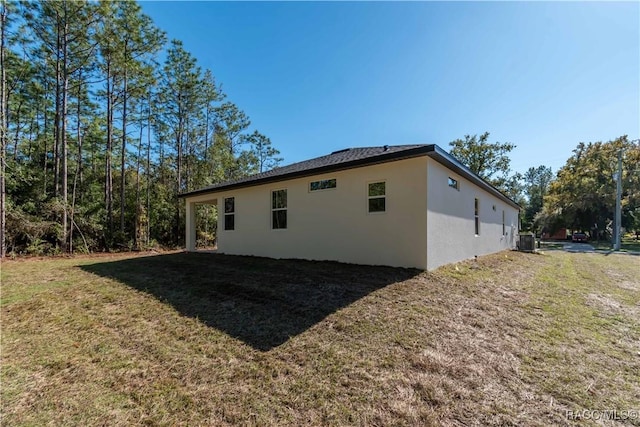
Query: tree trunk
point(3, 129)
point(148, 237)
point(108, 178)
point(123, 153)
point(206, 134)
point(30, 146)
point(63, 130)
point(137, 231)
point(46, 130)
point(78, 173)
point(18, 123)
point(56, 120)
point(176, 230)
point(187, 161)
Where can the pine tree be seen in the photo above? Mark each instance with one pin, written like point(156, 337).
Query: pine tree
point(79, 84)
point(3, 125)
point(265, 154)
point(179, 98)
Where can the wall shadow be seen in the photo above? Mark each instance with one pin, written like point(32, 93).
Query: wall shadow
point(260, 301)
point(612, 252)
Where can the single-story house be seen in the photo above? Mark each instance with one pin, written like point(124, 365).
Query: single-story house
point(403, 206)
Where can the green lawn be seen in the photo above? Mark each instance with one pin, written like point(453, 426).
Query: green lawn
point(204, 339)
point(627, 244)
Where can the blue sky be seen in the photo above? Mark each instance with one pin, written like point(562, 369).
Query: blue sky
point(321, 76)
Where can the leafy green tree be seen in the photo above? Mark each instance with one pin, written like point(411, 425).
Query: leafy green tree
point(633, 221)
point(631, 186)
point(3, 124)
point(231, 123)
point(106, 37)
point(138, 40)
point(536, 184)
point(265, 154)
point(63, 29)
point(490, 161)
point(178, 101)
point(583, 195)
point(80, 86)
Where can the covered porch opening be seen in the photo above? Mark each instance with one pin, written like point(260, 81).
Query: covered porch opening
point(201, 224)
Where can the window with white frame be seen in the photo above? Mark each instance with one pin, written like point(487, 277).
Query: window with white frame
point(323, 184)
point(476, 216)
point(279, 209)
point(230, 213)
point(377, 196)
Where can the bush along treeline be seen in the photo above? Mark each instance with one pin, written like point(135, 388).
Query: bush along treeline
point(99, 135)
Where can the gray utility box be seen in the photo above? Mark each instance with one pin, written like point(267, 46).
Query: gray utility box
point(527, 242)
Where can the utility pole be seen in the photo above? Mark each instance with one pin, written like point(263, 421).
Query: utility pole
point(618, 220)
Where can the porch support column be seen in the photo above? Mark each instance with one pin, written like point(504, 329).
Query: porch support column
point(190, 225)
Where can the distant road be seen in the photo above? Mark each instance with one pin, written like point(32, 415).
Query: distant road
point(578, 247)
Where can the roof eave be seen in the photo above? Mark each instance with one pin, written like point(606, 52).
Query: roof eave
point(383, 158)
point(430, 150)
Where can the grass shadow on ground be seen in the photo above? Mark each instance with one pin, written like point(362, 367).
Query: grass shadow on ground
point(260, 301)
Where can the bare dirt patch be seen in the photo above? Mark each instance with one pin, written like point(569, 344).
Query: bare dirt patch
point(610, 306)
point(632, 286)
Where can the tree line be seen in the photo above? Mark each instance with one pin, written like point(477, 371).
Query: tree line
point(581, 196)
point(104, 122)
point(99, 135)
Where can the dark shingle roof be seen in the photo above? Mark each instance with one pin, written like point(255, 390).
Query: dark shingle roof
point(341, 159)
point(348, 159)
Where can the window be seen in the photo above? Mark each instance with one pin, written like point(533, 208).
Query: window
point(322, 185)
point(476, 216)
point(453, 183)
point(279, 209)
point(230, 213)
point(503, 227)
point(377, 197)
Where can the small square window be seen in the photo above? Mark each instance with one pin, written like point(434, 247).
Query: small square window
point(377, 204)
point(453, 183)
point(377, 189)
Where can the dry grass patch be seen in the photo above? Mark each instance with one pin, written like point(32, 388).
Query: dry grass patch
point(202, 339)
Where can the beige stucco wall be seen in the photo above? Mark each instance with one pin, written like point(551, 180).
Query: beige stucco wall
point(427, 223)
point(451, 228)
point(333, 224)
